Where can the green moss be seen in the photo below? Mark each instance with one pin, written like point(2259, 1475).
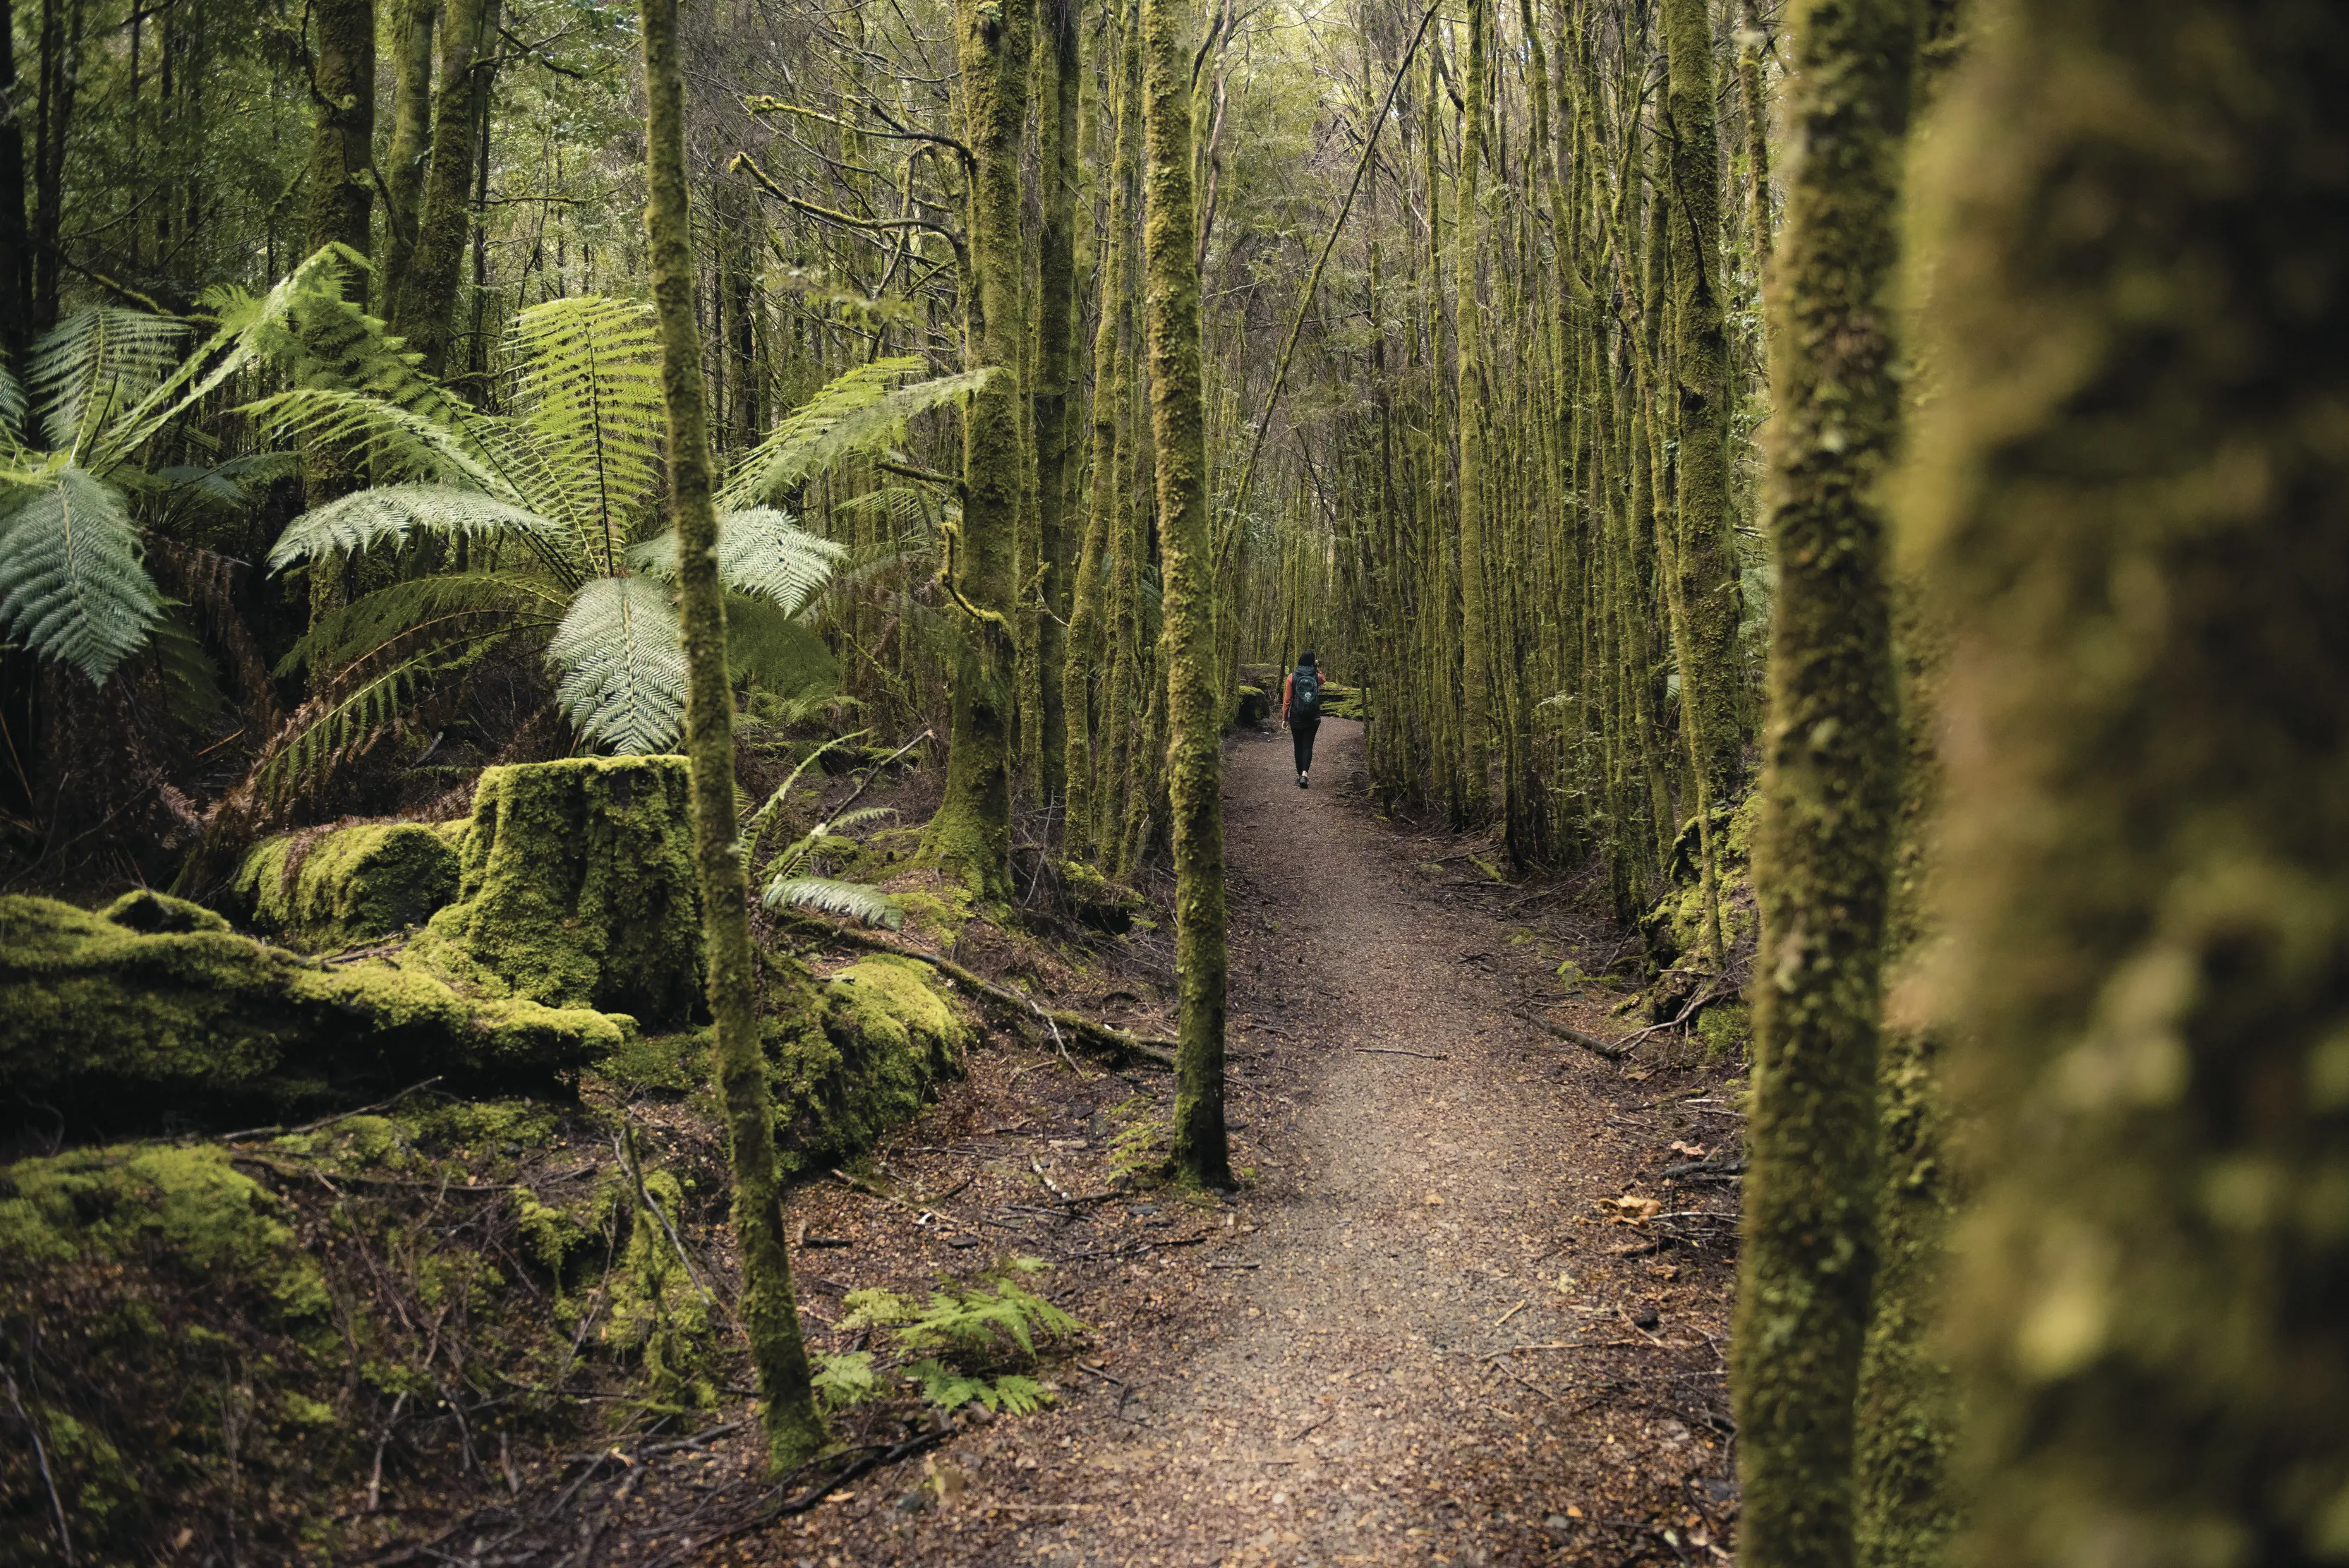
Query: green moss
point(94, 1014)
point(189, 1206)
point(1725, 1029)
point(577, 888)
point(659, 1310)
point(888, 1035)
point(320, 892)
point(153, 912)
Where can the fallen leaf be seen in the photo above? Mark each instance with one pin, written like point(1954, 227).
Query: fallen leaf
point(1631, 1210)
point(1572, 1512)
point(839, 1496)
point(1433, 1200)
point(1694, 1151)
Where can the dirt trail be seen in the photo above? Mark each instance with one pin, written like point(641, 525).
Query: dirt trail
point(1325, 1389)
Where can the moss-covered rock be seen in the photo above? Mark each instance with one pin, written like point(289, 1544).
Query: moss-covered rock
point(97, 1015)
point(888, 1033)
point(1250, 707)
point(577, 888)
point(321, 891)
point(1340, 701)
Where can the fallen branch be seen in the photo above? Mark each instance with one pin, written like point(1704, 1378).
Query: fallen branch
point(1399, 1051)
point(1610, 1050)
point(1101, 1036)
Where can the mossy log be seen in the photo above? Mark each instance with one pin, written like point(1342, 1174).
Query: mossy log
point(320, 892)
point(888, 1035)
point(162, 1004)
point(577, 888)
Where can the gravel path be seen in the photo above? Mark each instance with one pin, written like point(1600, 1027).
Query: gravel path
point(1429, 1181)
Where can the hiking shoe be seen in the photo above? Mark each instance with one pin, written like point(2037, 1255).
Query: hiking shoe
point(1304, 781)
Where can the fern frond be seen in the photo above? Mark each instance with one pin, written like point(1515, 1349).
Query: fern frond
point(946, 1389)
point(394, 442)
point(315, 336)
point(12, 409)
point(876, 1307)
point(859, 817)
point(832, 896)
point(841, 1381)
point(374, 620)
point(394, 514)
point(72, 585)
point(622, 665)
point(96, 364)
point(588, 388)
point(354, 713)
point(1018, 1396)
point(761, 552)
point(857, 410)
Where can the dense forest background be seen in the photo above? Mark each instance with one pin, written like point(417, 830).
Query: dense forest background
point(1854, 488)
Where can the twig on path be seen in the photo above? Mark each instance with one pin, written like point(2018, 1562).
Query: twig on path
point(1610, 1050)
point(1511, 1372)
point(1512, 1312)
point(1102, 1036)
point(1315, 1426)
point(1235, 1265)
point(1399, 1051)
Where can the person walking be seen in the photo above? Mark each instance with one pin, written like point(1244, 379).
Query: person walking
point(1301, 711)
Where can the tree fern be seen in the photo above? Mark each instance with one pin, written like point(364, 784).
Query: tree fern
point(858, 410)
point(394, 514)
point(588, 386)
point(374, 620)
point(623, 666)
point(96, 364)
point(761, 551)
point(72, 586)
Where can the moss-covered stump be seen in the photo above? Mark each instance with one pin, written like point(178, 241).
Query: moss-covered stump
point(1250, 707)
point(888, 1033)
point(577, 888)
point(166, 1008)
point(319, 892)
point(1339, 701)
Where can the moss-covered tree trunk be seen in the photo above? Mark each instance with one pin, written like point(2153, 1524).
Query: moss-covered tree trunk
point(970, 837)
point(410, 145)
point(1754, 95)
point(341, 212)
point(1822, 859)
point(1476, 231)
point(424, 311)
point(1179, 429)
point(1712, 671)
point(768, 1310)
point(2132, 494)
point(1056, 327)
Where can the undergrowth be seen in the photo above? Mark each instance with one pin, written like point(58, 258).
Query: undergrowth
point(972, 1341)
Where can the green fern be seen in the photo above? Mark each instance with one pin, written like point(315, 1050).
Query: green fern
point(72, 585)
point(761, 552)
point(623, 665)
point(858, 410)
point(589, 393)
point(845, 1380)
point(832, 896)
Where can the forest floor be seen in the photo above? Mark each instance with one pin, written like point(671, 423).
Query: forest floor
point(1469, 1305)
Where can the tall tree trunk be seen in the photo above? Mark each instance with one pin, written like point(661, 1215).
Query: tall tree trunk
point(1823, 859)
point(341, 213)
point(970, 837)
point(342, 135)
point(1706, 561)
point(1178, 433)
point(412, 138)
point(15, 237)
point(1056, 329)
point(425, 311)
point(1752, 41)
point(1475, 229)
point(769, 1313)
point(2132, 494)
point(59, 65)
point(1082, 695)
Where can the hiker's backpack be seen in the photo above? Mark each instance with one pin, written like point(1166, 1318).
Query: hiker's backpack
point(1305, 696)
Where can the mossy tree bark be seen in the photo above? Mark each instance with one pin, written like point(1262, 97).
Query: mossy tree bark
point(1056, 327)
point(2131, 495)
point(424, 312)
point(1178, 428)
point(1475, 233)
point(1705, 561)
point(770, 1311)
point(411, 139)
point(970, 837)
point(1822, 864)
point(341, 211)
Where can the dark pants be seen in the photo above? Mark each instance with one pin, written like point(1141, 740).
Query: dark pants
point(1303, 735)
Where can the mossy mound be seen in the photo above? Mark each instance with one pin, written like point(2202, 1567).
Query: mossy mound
point(888, 1033)
point(321, 892)
point(1344, 701)
point(577, 888)
point(1675, 925)
point(1250, 707)
point(99, 1016)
